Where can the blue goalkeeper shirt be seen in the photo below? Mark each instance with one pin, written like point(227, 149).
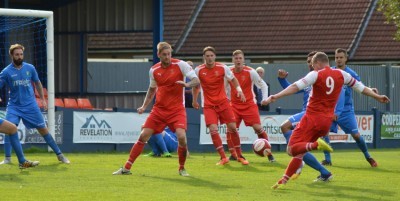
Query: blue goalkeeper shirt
point(19, 82)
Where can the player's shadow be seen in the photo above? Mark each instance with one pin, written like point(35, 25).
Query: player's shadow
point(52, 167)
point(12, 177)
point(196, 182)
point(243, 168)
point(330, 189)
point(367, 168)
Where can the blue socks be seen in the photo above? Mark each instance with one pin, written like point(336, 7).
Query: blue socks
point(16, 145)
point(287, 135)
point(327, 154)
point(50, 141)
point(7, 145)
point(311, 161)
point(363, 146)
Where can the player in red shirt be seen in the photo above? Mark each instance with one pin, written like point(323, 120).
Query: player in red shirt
point(216, 106)
point(167, 83)
point(326, 87)
point(247, 111)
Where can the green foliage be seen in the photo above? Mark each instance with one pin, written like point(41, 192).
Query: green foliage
point(89, 177)
point(391, 10)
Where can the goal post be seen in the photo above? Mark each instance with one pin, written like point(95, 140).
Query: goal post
point(48, 15)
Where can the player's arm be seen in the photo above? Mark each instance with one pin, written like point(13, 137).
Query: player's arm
point(195, 94)
point(149, 97)
point(308, 80)
point(39, 88)
point(282, 74)
point(235, 83)
point(150, 93)
point(361, 88)
point(190, 73)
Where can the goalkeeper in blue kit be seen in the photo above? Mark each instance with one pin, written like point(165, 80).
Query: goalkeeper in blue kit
point(20, 77)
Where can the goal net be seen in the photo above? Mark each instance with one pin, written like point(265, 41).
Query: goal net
point(34, 30)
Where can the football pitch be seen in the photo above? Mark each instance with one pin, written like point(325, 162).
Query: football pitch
point(89, 177)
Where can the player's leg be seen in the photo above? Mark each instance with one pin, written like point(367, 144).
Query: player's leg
point(10, 129)
point(229, 140)
point(171, 141)
point(152, 142)
point(182, 150)
point(306, 135)
point(348, 123)
point(13, 117)
point(328, 160)
point(211, 119)
point(258, 129)
point(161, 145)
point(7, 150)
point(34, 119)
point(294, 164)
point(288, 125)
point(136, 150)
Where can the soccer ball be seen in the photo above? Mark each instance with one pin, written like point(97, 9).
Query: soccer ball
point(261, 147)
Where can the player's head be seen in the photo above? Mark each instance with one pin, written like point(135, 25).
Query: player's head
point(190, 63)
point(16, 52)
point(209, 55)
point(309, 58)
point(164, 51)
point(260, 71)
point(238, 58)
point(320, 60)
point(341, 58)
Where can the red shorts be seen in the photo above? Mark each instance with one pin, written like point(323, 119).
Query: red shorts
point(158, 120)
point(248, 113)
point(222, 112)
point(310, 129)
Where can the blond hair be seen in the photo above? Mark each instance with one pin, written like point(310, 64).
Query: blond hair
point(208, 48)
point(14, 47)
point(236, 52)
point(163, 46)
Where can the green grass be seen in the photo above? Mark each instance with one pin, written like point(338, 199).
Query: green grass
point(89, 177)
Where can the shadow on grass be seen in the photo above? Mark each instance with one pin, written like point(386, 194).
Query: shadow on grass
point(54, 167)
point(330, 189)
point(11, 178)
point(366, 168)
point(196, 182)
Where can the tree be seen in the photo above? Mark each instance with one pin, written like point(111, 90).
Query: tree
point(391, 10)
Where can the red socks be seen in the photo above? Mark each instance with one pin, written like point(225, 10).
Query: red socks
point(182, 152)
point(216, 139)
point(302, 147)
point(231, 146)
point(135, 152)
point(262, 134)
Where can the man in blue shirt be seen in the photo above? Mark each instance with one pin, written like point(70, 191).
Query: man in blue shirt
point(163, 144)
point(347, 118)
point(19, 76)
point(288, 125)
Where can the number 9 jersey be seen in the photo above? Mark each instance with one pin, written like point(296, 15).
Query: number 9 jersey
point(326, 87)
